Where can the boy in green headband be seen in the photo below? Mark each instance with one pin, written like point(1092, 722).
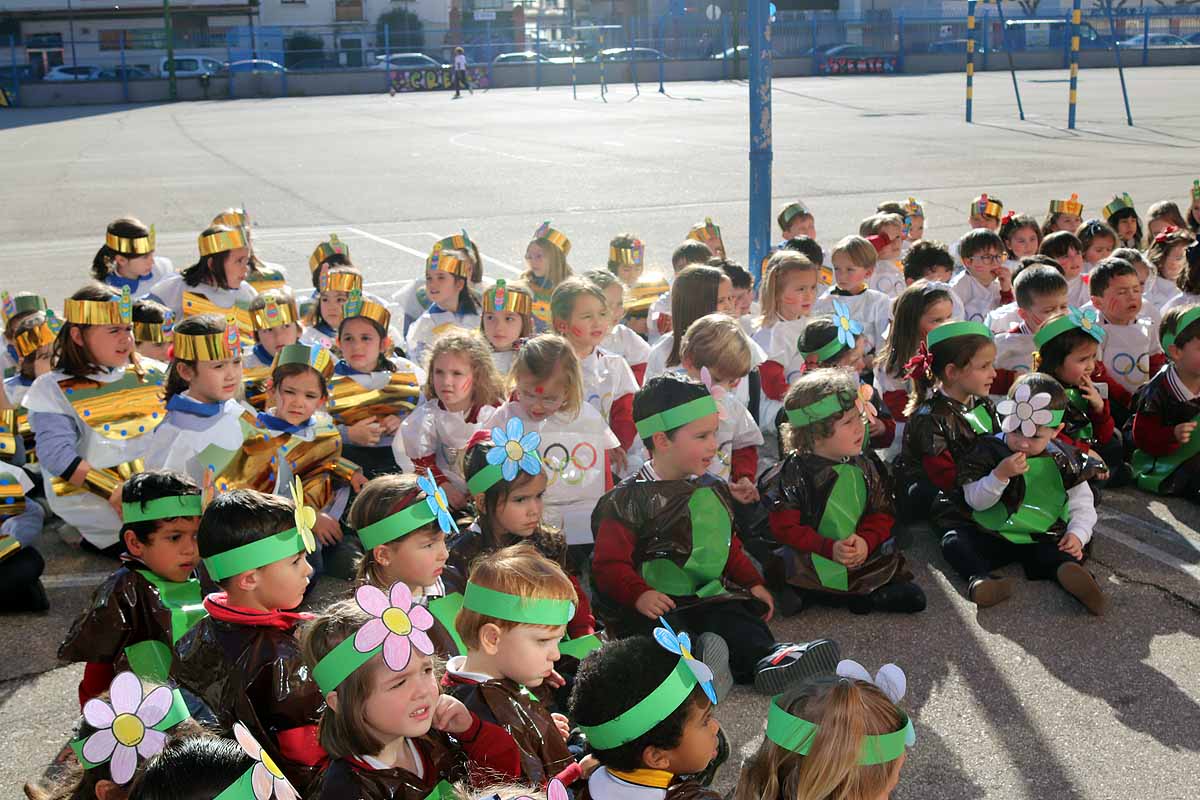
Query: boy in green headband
point(154, 596)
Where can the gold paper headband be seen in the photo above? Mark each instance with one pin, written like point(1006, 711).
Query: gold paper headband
point(341, 281)
point(232, 218)
point(502, 297)
point(442, 261)
point(209, 346)
point(274, 315)
point(359, 306)
point(632, 256)
point(643, 293)
point(1071, 206)
point(154, 332)
point(315, 356)
point(98, 312)
point(28, 342)
point(222, 241)
point(985, 206)
point(556, 238)
point(325, 250)
point(131, 245)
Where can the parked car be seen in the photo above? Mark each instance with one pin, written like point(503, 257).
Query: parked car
point(399, 61)
point(75, 73)
point(855, 51)
point(190, 66)
point(131, 73)
point(255, 65)
point(521, 57)
point(1053, 34)
point(1156, 40)
point(1193, 39)
point(611, 54)
point(743, 51)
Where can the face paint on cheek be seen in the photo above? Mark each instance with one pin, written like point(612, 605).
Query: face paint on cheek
point(577, 331)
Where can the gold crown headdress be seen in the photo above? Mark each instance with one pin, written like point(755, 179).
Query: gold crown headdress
point(210, 346)
point(222, 241)
point(131, 245)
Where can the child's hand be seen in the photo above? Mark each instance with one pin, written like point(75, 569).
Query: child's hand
point(554, 680)
point(365, 432)
point(327, 529)
point(1183, 431)
point(744, 490)
point(618, 459)
point(390, 424)
point(588, 765)
point(1004, 275)
point(114, 500)
point(763, 594)
point(1071, 545)
point(653, 604)
point(80, 475)
point(875, 427)
point(851, 551)
point(1011, 467)
point(560, 722)
point(358, 481)
point(450, 715)
point(1091, 394)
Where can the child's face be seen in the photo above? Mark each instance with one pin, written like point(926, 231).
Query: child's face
point(1143, 272)
point(41, 361)
point(939, 273)
point(1173, 263)
point(541, 399)
point(1079, 364)
point(725, 301)
point(1194, 210)
point(587, 324)
point(797, 293)
point(281, 584)
point(502, 328)
point(846, 440)
point(159, 351)
point(698, 744)
point(985, 267)
point(1100, 249)
point(1031, 445)
point(1067, 222)
point(690, 448)
point(976, 377)
point(852, 360)
point(442, 288)
point(628, 274)
point(850, 277)
point(895, 234)
point(135, 266)
point(801, 225)
point(520, 512)
point(916, 229)
point(1187, 358)
point(535, 258)
point(213, 381)
point(742, 298)
point(1023, 242)
point(417, 559)
point(360, 344)
point(527, 653)
point(172, 552)
point(274, 338)
point(297, 397)
point(332, 304)
point(614, 298)
point(982, 221)
point(1043, 307)
point(1127, 228)
point(935, 314)
point(1122, 299)
point(237, 266)
point(453, 380)
point(401, 704)
point(1071, 263)
point(108, 345)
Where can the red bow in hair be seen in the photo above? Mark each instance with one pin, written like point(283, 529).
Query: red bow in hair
point(1164, 233)
point(480, 436)
point(1008, 217)
point(879, 241)
point(920, 364)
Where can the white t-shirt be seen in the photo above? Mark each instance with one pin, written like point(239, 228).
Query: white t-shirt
point(1127, 349)
point(871, 309)
point(625, 342)
point(977, 299)
point(460, 62)
point(888, 278)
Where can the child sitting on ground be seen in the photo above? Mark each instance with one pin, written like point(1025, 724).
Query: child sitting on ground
point(985, 283)
point(1041, 293)
point(1132, 352)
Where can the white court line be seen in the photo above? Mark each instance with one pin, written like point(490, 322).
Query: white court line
point(496, 261)
point(388, 242)
point(491, 151)
point(1137, 545)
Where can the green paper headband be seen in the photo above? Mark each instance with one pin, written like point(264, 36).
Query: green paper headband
point(254, 555)
point(815, 412)
point(1168, 339)
point(646, 713)
point(187, 505)
point(340, 663)
point(797, 735)
point(514, 608)
point(826, 352)
point(176, 714)
point(676, 417)
point(951, 330)
point(400, 524)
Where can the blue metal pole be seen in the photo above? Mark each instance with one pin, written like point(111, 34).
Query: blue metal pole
point(1008, 49)
point(1146, 39)
point(387, 56)
point(1074, 95)
point(124, 72)
point(970, 55)
point(1112, 27)
point(537, 49)
point(16, 76)
point(900, 43)
point(759, 19)
point(662, 51)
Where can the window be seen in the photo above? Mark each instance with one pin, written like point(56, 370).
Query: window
point(348, 11)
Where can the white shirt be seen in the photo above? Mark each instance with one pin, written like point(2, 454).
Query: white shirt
point(606, 379)
point(1127, 349)
point(171, 289)
point(871, 309)
point(432, 430)
point(660, 351)
point(178, 447)
point(624, 342)
point(735, 430)
point(433, 324)
point(888, 278)
point(1002, 319)
point(1078, 293)
point(460, 62)
point(1179, 299)
point(977, 299)
point(1159, 291)
point(781, 343)
point(660, 307)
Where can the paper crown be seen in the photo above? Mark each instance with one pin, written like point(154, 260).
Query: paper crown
point(222, 241)
point(649, 287)
point(1070, 206)
point(502, 297)
point(315, 356)
point(325, 250)
point(793, 210)
point(118, 311)
point(706, 231)
point(209, 346)
point(913, 208)
point(277, 312)
point(1119, 202)
point(131, 245)
point(633, 255)
point(443, 260)
point(984, 206)
point(21, 304)
point(556, 238)
point(341, 280)
point(28, 342)
point(232, 218)
point(457, 241)
point(155, 332)
point(359, 306)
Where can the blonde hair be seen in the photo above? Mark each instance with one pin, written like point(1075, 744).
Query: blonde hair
point(517, 570)
point(718, 342)
point(567, 294)
point(557, 268)
point(487, 387)
point(541, 357)
point(380, 498)
point(860, 252)
point(779, 266)
point(811, 387)
point(875, 223)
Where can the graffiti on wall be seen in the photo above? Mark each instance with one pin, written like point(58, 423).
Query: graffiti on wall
point(427, 80)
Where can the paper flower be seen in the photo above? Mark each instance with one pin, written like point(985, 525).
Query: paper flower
point(847, 327)
point(555, 791)
point(499, 294)
point(266, 778)
point(863, 402)
point(681, 644)
point(1088, 322)
point(436, 498)
point(889, 679)
point(398, 625)
point(542, 231)
point(124, 729)
point(1024, 411)
point(514, 449)
point(305, 517)
point(715, 389)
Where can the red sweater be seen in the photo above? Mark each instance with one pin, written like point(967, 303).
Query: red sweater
point(1151, 435)
point(490, 752)
point(744, 464)
point(896, 402)
point(620, 419)
point(788, 528)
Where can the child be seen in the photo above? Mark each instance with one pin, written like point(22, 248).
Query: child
point(1064, 215)
point(32, 341)
point(216, 284)
point(698, 290)
point(515, 610)
point(276, 322)
point(1193, 217)
point(689, 253)
point(620, 340)
point(506, 319)
point(948, 408)
point(1041, 293)
point(263, 275)
point(320, 328)
point(326, 256)
point(1153, 298)
point(546, 391)
point(789, 292)
point(1097, 240)
point(461, 394)
point(913, 214)
point(830, 505)
point(127, 257)
point(919, 309)
point(812, 251)
point(579, 312)
point(1168, 255)
point(545, 267)
point(743, 291)
point(654, 529)
point(1123, 218)
point(1023, 496)
point(203, 381)
point(1132, 352)
point(21, 521)
point(243, 659)
point(928, 260)
point(1066, 249)
point(796, 220)
point(1163, 215)
point(14, 309)
point(1022, 237)
point(153, 330)
point(92, 412)
point(708, 233)
point(645, 295)
point(985, 212)
point(843, 737)
point(984, 283)
point(853, 265)
point(154, 596)
point(885, 232)
point(626, 258)
point(371, 395)
point(646, 707)
point(447, 284)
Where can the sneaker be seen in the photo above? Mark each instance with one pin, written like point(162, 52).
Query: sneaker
point(987, 591)
point(714, 652)
point(1080, 583)
point(788, 664)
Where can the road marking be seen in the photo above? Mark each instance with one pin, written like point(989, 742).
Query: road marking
point(493, 152)
point(1149, 550)
point(496, 261)
point(388, 242)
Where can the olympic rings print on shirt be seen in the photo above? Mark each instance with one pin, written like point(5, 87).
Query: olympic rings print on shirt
point(1126, 363)
point(602, 403)
point(571, 466)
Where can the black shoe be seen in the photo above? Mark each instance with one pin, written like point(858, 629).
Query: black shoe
point(860, 604)
point(900, 598)
point(788, 664)
point(714, 652)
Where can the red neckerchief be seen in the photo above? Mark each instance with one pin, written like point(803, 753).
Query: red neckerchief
point(217, 605)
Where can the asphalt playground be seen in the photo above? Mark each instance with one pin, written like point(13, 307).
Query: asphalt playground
point(1031, 699)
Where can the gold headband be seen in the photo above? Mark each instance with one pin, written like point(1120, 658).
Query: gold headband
point(153, 332)
point(706, 231)
point(442, 261)
point(315, 356)
point(118, 311)
point(643, 293)
point(27, 342)
point(274, 315)
point(222, 241)
point(630, 256)
point(325, 250)
point(1071, 206)
point(556, 238)
point(984, 206)
point(209, 346)
point(341, 281)
point(232, 218)
point(359, 306)
point(502, 297)
point(131, 245)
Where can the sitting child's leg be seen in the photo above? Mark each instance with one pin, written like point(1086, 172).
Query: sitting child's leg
point(974, 554)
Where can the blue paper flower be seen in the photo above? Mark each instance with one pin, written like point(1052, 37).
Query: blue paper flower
point(515, 449)
point(1088, 322)
point(847, 326)
point(681, 644)
point(436, 498)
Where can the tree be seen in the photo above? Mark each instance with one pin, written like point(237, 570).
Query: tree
point(405, 31)
point(1030, 7)
point(303, 50)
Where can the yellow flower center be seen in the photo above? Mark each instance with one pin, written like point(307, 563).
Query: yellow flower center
point(441, 500)
point(397, 622)
point(270, 765)
point(128, 729)
point(513, 450)
point(845, 323)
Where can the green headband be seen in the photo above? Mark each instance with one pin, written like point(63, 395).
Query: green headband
point(797, 735)
point(815, 412)
point(186, 505)
point(400, 524)
point(514, 608)
point(950, 330)
point(1188, 318)
point(676, 417)
point(1075, 320)
point(255, 554)
point(826, 352)
point(646, 713)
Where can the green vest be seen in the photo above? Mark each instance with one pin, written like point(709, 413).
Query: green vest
point(844, 508)
point(1045, 503)
point(1151, 471)
point(712, 534)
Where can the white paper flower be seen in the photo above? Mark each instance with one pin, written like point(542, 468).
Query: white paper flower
point(125, 728)
point(1024, 412)
point(398, 624)
point(267, 780)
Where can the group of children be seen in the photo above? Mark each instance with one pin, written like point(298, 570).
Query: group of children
point(567, 507)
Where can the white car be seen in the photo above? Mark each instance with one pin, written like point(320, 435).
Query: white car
point(190, 66)
point(75, 73)
point(406, 61)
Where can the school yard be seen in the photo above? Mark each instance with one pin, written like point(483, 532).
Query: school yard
point(1031, 699)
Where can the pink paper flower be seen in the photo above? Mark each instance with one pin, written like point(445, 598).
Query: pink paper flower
point(125, 727)
point(266, 779)
point(399, 625)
